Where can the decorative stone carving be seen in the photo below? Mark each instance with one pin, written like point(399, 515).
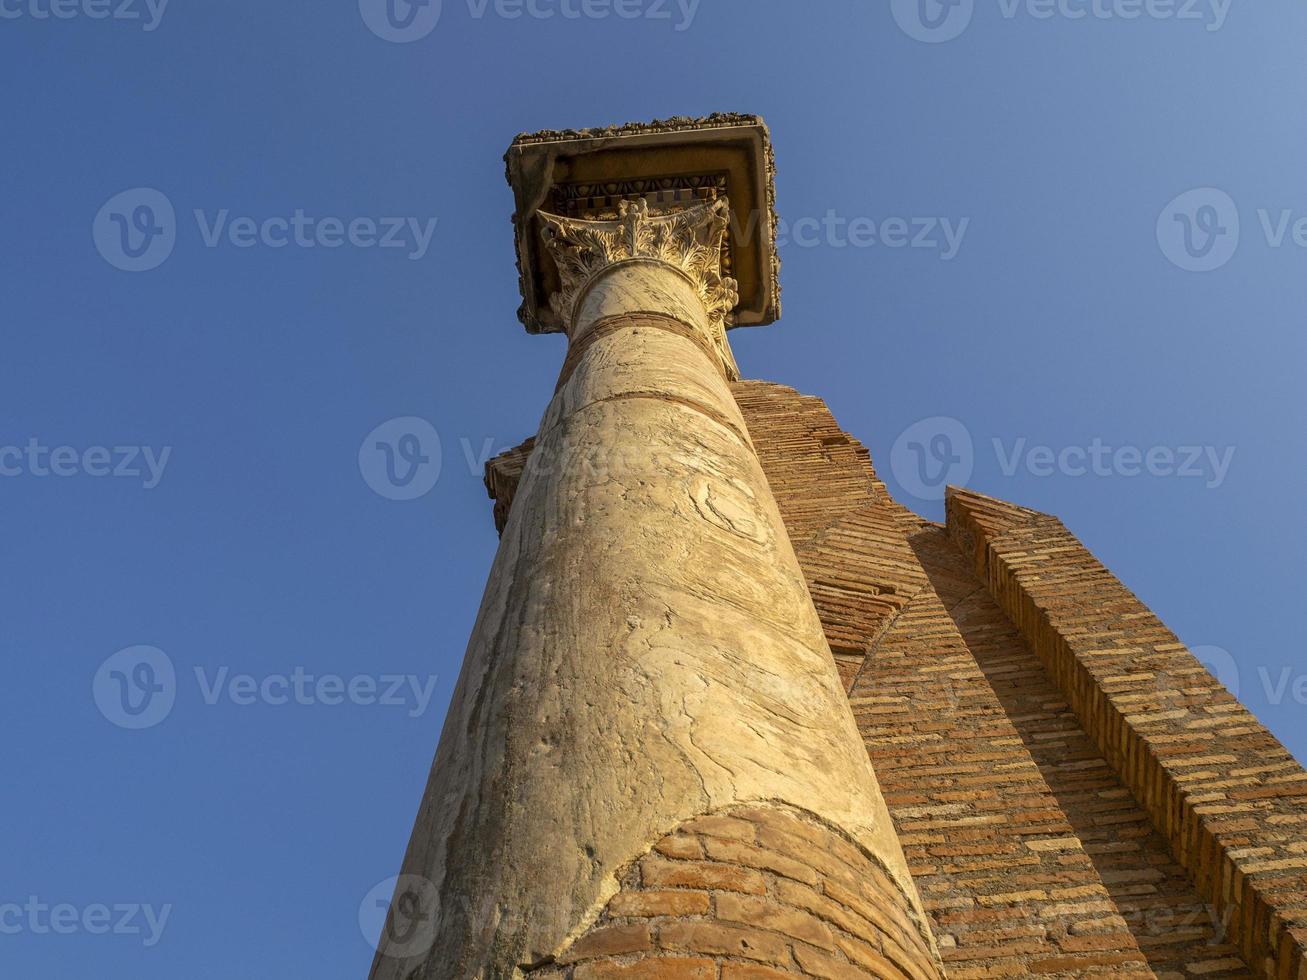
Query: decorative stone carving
point(688, 239)
point(674, 124)
point(672, 163)
point(646, 652)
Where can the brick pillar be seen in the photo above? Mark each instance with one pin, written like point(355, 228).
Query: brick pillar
point(649, 768)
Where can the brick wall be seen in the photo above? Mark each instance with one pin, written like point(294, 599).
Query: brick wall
point(1029, 854)
point(753, 893)
point(973, 694)
point(1229, 798)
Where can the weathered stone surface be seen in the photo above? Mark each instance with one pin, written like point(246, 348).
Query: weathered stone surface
point(651, 768)
point(647, 652)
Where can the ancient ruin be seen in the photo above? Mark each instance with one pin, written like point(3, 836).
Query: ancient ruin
point(730, 712)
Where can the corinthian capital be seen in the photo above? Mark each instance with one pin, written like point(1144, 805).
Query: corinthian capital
point(689, 239)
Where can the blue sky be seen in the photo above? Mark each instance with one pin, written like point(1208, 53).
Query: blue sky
point(184, 448)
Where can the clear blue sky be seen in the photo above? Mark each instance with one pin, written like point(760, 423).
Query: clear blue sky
point(256, 546)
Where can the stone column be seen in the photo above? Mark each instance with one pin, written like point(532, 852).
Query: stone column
point(649, 752)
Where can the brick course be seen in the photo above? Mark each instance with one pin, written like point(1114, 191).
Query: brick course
point(778, 895)
point(1028, 852)
point(962, 751)
point(1229, 798)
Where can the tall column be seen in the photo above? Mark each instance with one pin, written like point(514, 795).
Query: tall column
point(648, 707)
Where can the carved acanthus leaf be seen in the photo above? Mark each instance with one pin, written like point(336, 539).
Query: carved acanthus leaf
point(689, 239)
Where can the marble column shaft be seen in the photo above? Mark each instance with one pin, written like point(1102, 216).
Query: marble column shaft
point(646, 651)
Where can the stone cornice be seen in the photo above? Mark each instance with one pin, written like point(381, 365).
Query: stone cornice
point(583, 174)
point(676, 124)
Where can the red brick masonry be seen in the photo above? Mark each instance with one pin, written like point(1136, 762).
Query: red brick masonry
point(1075, 793)
point(755, 893)
point(1229, 798)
